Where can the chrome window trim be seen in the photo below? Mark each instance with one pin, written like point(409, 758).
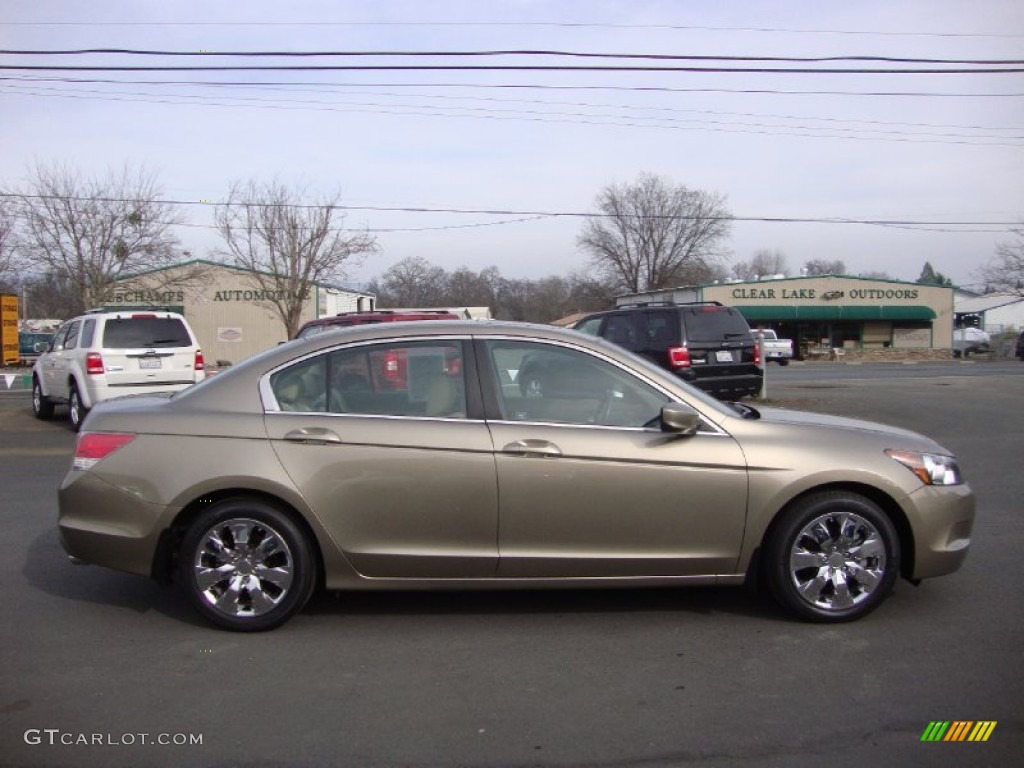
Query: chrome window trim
point(269, 401)
point(708, 426)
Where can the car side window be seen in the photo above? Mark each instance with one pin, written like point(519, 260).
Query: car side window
point(620, 330)
point(554, 384)
point(88, 331)
point(302, 387)
point(591, 326)
point(71, 340)
point(401, 378)
point(58, 341)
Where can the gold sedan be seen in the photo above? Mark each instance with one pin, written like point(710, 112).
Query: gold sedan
point(415, 455)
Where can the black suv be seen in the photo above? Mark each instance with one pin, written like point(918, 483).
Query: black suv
point(706, 344)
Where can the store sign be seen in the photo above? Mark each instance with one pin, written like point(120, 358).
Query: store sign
point(811, 294)
point(9, 329)
point(149, 297)
point(259, 295)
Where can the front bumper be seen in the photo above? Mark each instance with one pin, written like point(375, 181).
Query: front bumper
point(942, 519)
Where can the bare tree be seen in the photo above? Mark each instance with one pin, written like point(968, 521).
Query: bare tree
point(94, 230)
point(1005, 271)
point(411, 282)
point(7, 267)
point(825, 267)
point(288, 247)
point(647, 232)
point(762, 264)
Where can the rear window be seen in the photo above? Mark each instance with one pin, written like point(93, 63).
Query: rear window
point(134, 332)
point(714, 324)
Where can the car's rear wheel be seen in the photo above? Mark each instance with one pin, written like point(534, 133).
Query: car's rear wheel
point(246, 565)
point(76, 411)
point(42, 407)
point(833, 557)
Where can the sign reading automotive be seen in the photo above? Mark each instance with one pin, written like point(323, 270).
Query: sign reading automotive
point(9, 328)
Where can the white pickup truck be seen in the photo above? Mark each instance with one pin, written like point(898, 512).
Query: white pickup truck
point(779, 350)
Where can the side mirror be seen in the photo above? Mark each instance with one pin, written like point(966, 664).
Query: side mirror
point(679, 418)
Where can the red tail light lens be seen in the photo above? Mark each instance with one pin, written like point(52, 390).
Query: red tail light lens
point(200, 363)
point(93, 364)
point(93, 447)
point(757, 354)
point(679, 357)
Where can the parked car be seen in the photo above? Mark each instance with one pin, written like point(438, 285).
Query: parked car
point(103, 354)
point(346, 319)
point(31, 344)
point(967, 341)
point(774, 348)
point(704, 343)
point(621, 475)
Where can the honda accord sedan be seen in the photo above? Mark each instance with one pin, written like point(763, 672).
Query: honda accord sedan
point(408, 455)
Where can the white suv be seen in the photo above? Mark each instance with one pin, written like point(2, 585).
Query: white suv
point(104, 354)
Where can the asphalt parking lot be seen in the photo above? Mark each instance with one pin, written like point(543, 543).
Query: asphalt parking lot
point(100, 667)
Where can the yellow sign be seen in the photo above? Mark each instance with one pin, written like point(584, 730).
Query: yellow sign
point(9, 328)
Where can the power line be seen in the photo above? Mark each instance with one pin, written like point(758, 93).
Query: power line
point(520, 86)
point(510, 68)
point(633, 120)
point(525, 213)
point(498, 53)
point(324, 89)
point(578, 118)
point(525, 24)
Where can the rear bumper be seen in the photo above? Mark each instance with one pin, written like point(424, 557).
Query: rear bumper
point(98, 392)
point(104, 525)
point(728, 386)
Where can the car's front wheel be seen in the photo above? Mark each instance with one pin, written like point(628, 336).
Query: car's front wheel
point(833, 557)
point(42, 406)
point(76, 411)
point(246, 565)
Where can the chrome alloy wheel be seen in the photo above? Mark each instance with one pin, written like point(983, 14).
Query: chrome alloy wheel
point(837, 561)
point(243, 567)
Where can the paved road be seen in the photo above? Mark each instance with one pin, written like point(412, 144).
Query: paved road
point(712, 677)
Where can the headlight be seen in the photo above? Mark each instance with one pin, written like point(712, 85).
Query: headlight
point(931, 468)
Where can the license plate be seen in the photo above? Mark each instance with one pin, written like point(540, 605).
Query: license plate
point(147, 363)
point(723, 356)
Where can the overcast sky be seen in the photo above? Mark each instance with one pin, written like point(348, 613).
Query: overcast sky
point(497, 148)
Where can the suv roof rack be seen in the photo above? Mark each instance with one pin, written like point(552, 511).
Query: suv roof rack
point(668, 304)
point(396, 312)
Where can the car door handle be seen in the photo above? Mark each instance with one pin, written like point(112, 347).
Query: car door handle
point(312, 435)
point(529, 447)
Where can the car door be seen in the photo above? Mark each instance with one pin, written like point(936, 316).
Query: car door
point(389, 448)
point(589, 486)
point(55, 362)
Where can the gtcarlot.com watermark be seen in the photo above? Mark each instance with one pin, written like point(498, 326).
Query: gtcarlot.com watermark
point(55, 737)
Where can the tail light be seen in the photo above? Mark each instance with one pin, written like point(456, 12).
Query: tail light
point(200, 364)
point(679, 357)
point(757, 354)
point(93, 447)
point(93, 364)
point(391, 367)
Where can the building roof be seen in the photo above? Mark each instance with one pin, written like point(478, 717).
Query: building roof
point(222, 265)
point(985, 303)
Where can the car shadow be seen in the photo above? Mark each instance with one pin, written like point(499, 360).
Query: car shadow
point(48, 570)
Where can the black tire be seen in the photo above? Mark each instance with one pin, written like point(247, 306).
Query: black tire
point(783, 362)
point(271, 574)
point(76, 411)
point(42, 407)
point(832, 557)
